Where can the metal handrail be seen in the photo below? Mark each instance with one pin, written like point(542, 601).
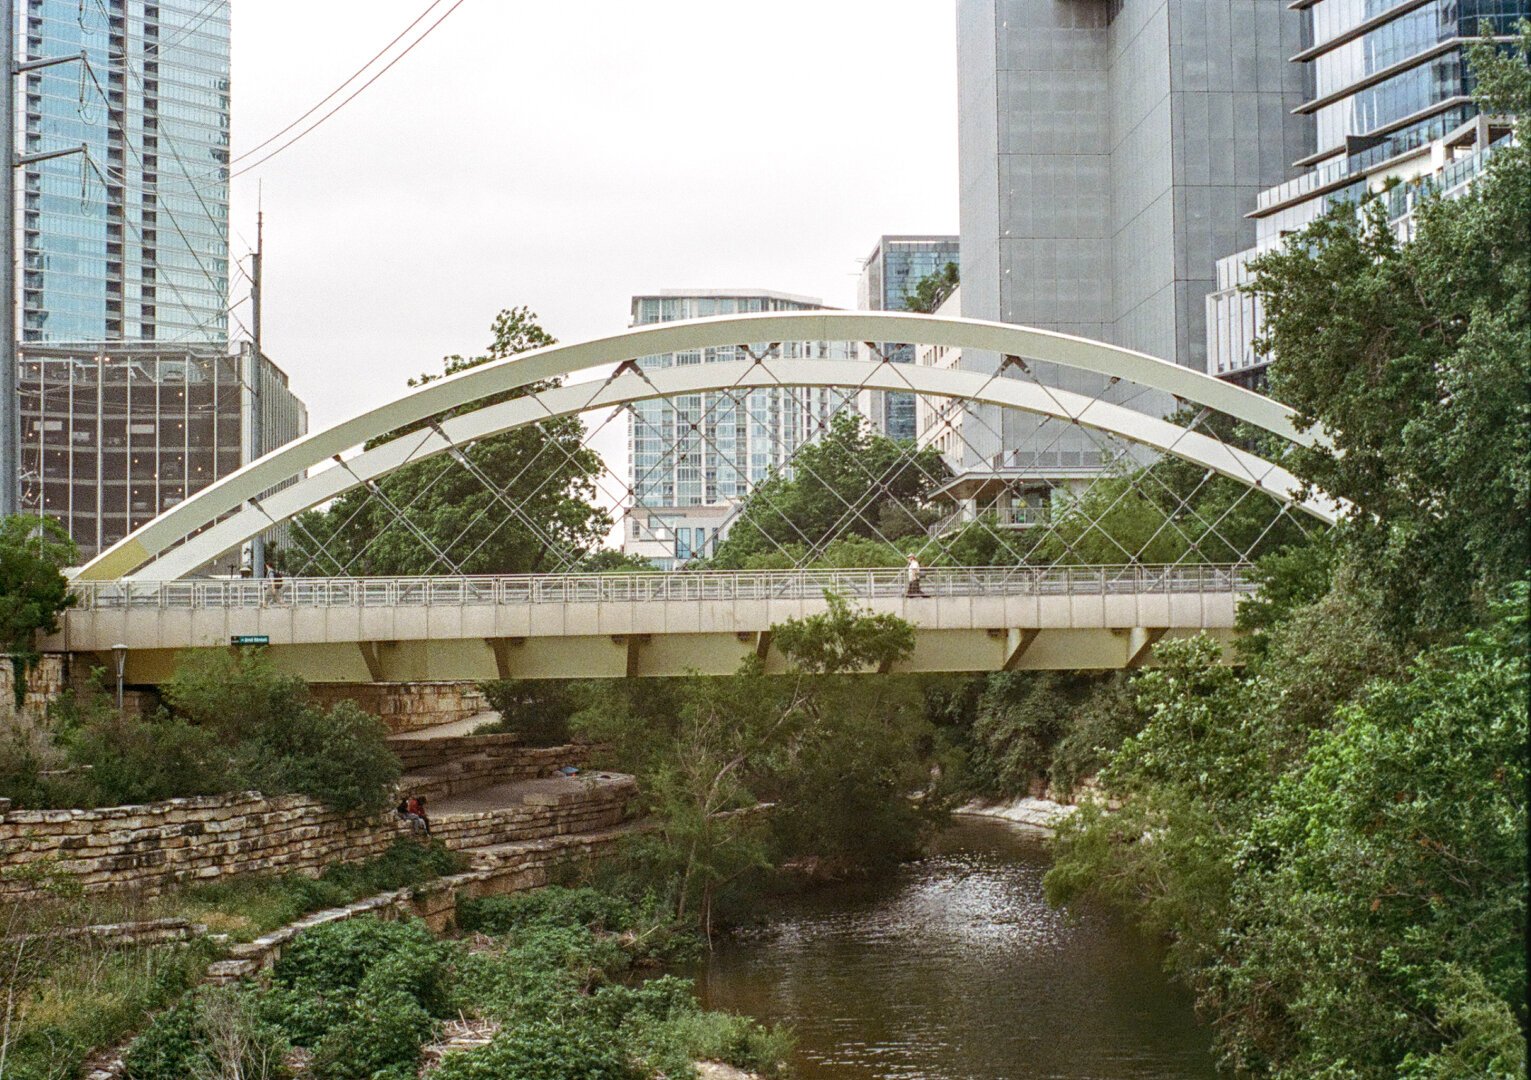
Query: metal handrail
point(639, 588)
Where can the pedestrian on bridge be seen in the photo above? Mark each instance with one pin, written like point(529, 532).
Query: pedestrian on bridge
point(914, 577)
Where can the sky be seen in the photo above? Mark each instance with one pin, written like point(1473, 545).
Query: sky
point(567, 155)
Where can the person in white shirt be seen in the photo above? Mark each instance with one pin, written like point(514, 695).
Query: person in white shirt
point(914, 577)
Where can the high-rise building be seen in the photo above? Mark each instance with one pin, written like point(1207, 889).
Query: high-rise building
point(888, 275)
point(1390, 94)
point(129, 241)
point(131, 395)
point(110, 438)
point(692, 459)
point(1105, 150)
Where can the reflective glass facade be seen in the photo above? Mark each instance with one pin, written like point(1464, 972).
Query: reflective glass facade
point(708, 450)
point(889, 274)
point(131, 242)
point(1391, 102)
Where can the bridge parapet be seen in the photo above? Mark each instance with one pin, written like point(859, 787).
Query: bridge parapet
point(615, 625)
point(642, 588)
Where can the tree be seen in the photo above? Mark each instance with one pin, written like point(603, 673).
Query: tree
point(1416, 359)
point(932, 289)
point(33, 589)
point(1379, 915)
point(838, 757)
point(836, 488)
point(841, 640)
point(528, 509)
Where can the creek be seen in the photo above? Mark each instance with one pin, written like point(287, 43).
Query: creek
point(956, 968)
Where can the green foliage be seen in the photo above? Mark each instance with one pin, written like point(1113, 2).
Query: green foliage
point(141, 759)
point(1335, 840)
point(544, 469)
point(363, 994)
point(382, 1028)
point(1030, 729)
point(844, 640)
point(538, 710)
point(1416, 358)
point(839, 487)
point(340, 757)
point(90, 998)
point(559, 980)
point(840, 758)
point(553, 905)
point(844, 787)
point(932, 289)
point(213, 1032)
point(33, 589)
point(251, 904)
point(235, 724)
point(545, 1051)
point(1384, 889)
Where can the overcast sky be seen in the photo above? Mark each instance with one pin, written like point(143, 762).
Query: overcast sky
point(567, 155)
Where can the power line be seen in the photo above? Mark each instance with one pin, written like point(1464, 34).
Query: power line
point(349, 80)
point(353, 95)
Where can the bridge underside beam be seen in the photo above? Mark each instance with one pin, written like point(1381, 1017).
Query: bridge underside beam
point(602, 656)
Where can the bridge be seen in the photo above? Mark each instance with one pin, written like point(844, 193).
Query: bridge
point(615, 625)
point(1049, 606)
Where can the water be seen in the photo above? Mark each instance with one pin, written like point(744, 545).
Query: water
point(958, 970)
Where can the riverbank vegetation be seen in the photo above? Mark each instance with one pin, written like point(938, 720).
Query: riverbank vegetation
point(559, 980)
point(230, 722)
point(1334, 841)
point(68, 991)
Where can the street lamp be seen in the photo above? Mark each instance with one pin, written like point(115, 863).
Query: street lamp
point(120, 655)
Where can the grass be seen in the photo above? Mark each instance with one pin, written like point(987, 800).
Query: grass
point(77, 995)
point(248, 906)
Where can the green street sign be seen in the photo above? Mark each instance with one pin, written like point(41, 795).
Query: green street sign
point(250, 639)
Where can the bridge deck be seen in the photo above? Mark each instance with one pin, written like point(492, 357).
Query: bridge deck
point(549, 626)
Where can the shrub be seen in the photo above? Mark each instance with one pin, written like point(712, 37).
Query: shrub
point(136, 760)
point(567, 907)
point(538, 710)
point(340, 757)
point(736, 1040)
point(215, 1032)
point(550, 1050)
point(381, 1028)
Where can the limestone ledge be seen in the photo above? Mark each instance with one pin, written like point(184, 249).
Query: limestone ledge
point(151, 847)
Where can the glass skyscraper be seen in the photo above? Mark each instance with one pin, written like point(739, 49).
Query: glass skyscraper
point(694, 457)
point(889, 274)
point(131, 396)
point(1391, 99)
point(129, 241)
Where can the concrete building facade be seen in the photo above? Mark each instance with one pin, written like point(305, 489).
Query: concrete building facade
point(1107, 148)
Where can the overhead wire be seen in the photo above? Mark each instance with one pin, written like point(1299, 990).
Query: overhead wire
point(316, 106)
point(354, 94)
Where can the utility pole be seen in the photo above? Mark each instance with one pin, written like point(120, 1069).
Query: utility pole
point(10, 399)
point(257, 371)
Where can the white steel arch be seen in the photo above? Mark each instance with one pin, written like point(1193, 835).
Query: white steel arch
point(140, 554)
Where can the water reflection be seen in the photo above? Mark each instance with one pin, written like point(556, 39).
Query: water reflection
point(958, 970)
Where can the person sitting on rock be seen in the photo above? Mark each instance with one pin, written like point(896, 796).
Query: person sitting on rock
point(412, 810)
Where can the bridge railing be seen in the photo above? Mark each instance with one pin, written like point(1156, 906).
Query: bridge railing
point(642, 588)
